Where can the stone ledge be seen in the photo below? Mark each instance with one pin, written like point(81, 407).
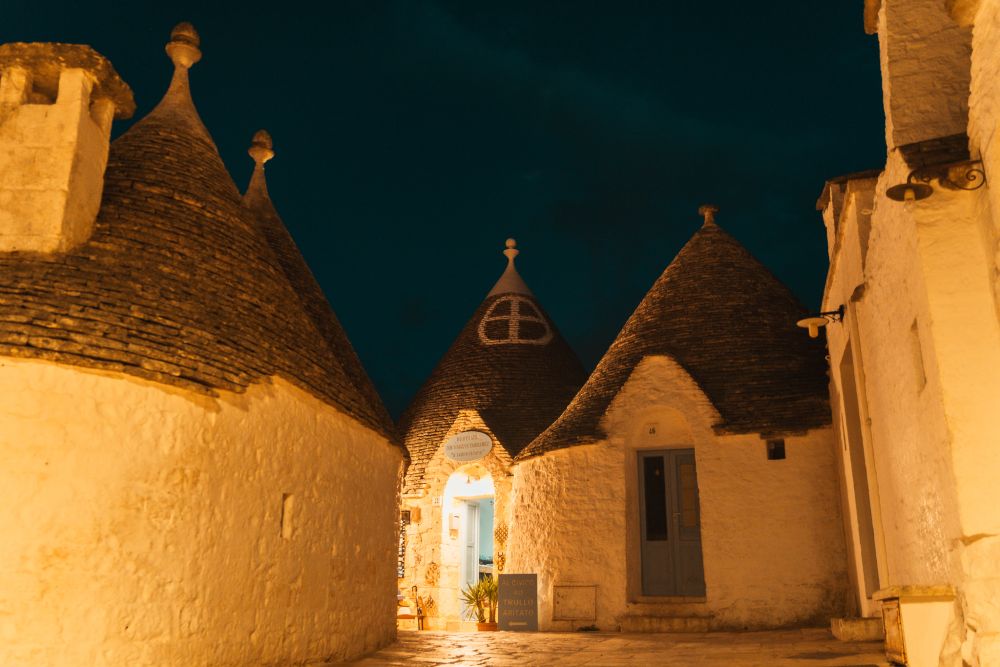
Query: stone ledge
point(668, 599)
point(915, 593)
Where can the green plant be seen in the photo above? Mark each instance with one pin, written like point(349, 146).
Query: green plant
point(472, 596)
point(490, 594)
point(480, 599)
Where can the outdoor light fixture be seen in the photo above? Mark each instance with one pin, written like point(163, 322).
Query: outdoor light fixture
point(814, 322)
point(967, 176)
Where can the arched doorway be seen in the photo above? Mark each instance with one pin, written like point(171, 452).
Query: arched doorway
point(468, 510)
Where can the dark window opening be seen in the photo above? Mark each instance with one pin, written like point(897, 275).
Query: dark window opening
point(775, 450)
point(655, 492)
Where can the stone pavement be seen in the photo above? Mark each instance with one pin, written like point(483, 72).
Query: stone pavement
point(801, 648)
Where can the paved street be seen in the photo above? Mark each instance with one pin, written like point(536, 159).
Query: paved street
point(813, 648)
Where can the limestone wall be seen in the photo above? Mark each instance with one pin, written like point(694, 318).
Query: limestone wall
point(925, 70)
point(52, 160)
point(569, 528)
point(984, 114)
point(894, 349)
point(922, 321)
point(980, 463)
point(146, 526)
point(772, 542)
point(922, 324)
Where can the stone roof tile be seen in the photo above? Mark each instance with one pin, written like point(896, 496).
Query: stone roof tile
point(305, 285)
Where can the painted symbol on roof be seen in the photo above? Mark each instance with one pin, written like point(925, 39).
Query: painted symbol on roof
point(513, 319)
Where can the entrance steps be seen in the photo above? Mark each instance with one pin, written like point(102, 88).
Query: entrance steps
point(669, 616)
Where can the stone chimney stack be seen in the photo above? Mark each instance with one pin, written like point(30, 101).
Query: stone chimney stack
point(57, 102)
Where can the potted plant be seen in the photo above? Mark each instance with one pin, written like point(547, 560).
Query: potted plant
point(480, 601)
point(490, 595)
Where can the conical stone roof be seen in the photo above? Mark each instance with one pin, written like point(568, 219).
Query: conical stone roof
point(509, 363)
point(178, 284)
point(730, 324)
point(304, 283)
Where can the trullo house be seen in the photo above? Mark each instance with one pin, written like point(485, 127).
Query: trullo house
point(506, 377)
point(691, 483)
point(186, 434)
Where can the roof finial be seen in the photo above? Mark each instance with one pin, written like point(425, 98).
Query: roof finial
point(510, 281)
point(261, 148)
point(183, 45)
point(184, 52)
point(708, 211)
point(511, 250)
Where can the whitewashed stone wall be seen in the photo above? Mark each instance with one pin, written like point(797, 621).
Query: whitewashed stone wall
point(925, 70)
point(772, 540)
point(895, 348)
point(924, 328)
point(143, 525)
point(569, 528)
point(923, 322)
point(847, 217)
point(984, 115)
point(52, 160)
point(980, 550)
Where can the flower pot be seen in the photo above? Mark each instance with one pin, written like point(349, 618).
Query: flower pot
point(486, 627)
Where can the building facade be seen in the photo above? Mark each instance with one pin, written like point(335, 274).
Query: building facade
point(915, 360)
point(186, 433)
point(691, 483)
point(506, 377)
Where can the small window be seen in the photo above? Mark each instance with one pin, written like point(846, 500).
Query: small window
point(655, 492)
point(775, 450)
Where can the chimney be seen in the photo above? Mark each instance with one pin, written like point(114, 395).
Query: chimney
point(57, 102)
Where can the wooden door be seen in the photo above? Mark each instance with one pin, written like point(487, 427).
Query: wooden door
point(670, 524)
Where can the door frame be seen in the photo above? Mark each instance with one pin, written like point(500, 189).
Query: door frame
point(635, 505)
point(469, 536)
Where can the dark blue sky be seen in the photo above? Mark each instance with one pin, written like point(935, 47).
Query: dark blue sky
point(414, 136)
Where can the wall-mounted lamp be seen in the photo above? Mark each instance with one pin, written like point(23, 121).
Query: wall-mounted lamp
point(953, 176)
point(814, 322)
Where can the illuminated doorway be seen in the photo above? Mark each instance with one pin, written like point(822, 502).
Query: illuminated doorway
point(467, 537)
point(478, 539)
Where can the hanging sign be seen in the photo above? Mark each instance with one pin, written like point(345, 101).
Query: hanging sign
point(517, 602)
point(468, 446)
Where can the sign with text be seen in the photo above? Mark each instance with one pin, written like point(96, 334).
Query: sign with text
point(468, 446)
point(517, 602)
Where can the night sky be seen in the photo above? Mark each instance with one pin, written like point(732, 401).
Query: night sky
point(413, 137)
